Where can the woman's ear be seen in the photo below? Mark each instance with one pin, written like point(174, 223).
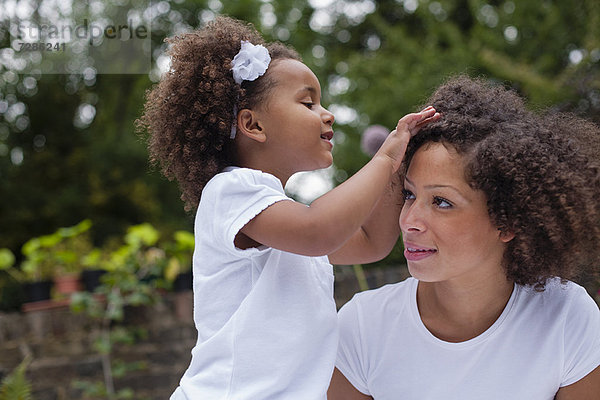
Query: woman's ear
point(506, 235)
point(249, 126)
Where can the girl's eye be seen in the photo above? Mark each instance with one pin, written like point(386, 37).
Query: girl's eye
point(309, 105)
point(441, 202)
point(407, 195)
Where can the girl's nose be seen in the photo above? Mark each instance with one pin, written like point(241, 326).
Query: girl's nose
point(411, 218)
point(328, 117)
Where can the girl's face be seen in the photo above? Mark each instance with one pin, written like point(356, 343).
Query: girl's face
point(297, 127)
point(446, 229)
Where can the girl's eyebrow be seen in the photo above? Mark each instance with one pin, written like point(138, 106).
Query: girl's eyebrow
point(309, 89)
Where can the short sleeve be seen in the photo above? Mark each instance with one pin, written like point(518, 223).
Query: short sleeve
point(235, 197)
point(582, 337)
point(351, 355)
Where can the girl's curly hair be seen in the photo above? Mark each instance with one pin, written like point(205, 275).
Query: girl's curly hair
point(539, 172)
point(189, 113)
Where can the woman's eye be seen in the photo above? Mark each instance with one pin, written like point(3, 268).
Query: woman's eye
point(441, 202)
point(407, 195)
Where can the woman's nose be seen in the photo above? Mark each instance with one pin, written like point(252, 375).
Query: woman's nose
point(411, 218)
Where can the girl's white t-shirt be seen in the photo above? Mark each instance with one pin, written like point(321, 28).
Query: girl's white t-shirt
point(541, 342)
point(266, 319)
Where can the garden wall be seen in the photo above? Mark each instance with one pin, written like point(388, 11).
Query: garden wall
point(61, 343)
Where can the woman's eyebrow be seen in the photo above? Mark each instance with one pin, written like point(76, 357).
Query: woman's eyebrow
point(439, 186)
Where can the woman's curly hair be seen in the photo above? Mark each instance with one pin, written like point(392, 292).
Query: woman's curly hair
point(189, 113)
point(540, 174)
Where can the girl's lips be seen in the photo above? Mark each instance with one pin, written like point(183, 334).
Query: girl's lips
point(327, 135)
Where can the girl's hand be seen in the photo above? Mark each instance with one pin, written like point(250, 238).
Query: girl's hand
point(394, 146)
point(333, 222)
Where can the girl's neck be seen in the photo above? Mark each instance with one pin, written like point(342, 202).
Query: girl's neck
point(458, 312)
point(262, 164)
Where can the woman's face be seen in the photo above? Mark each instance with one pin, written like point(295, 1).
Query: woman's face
point(446, 229)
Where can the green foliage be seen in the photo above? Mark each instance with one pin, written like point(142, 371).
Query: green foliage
point(97, 391)
point(46, 256)
point(376, 61)
point(133, 279)
point(179, 253)
point(10, 295)
point(120, 368)
point(7, 259)
point(395, 57)
point(16, 386)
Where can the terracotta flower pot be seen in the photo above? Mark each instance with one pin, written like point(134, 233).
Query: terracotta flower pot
point(67, 284)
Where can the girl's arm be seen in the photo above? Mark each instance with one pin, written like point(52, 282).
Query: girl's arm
point(341, 389)
point(332, 219)
point(376, 238)
point(586, 388)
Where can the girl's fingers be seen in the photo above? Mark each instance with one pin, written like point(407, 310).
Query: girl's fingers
point(425, 121)
point(416, 119)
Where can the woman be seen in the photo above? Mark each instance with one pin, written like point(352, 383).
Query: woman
point(501, 207)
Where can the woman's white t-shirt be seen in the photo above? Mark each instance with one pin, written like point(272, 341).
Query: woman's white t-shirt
point(541, 342)
point(266, 319)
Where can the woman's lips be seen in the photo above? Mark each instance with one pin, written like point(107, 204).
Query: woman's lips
point(416, 253)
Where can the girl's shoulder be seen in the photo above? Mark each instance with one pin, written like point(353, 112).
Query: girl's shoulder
point(238, 178)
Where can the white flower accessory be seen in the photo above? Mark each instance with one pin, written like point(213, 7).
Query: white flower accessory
point(251, 62)
point(248, 64)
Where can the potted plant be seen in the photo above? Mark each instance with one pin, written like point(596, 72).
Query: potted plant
point(7, 260)
point(178, 272)
point(10, 282)
point(35, 272)
point(71, 244)
point(52, 260)
point(94, 265)
point(179, 265)
point(141, 254)
point(130, 281)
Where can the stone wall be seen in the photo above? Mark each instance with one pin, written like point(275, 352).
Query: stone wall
point(60, 343)
point(61, 346)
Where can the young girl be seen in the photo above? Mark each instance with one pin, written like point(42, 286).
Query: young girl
point(232, 121)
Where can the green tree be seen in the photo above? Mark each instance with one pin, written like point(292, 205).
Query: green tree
point(68, 150)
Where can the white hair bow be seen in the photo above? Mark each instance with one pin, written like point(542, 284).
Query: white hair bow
point(249, 63)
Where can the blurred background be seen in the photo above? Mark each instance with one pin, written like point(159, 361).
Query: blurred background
point(69, 152)
point(79, 199)
point(68, 149)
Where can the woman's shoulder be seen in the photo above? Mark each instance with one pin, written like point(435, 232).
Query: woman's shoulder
point(558, 289)
point(561, 297)
point(390, 289)
point(384, 298)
